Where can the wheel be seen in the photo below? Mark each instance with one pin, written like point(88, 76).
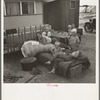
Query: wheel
point(88, 27)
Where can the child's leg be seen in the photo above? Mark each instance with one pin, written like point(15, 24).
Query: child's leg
point(56, 64)
point(52, 59)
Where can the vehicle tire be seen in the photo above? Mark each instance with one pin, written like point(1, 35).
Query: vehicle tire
point(88, 27)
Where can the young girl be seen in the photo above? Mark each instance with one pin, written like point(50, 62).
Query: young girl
point(47, 35)
point(74, 40)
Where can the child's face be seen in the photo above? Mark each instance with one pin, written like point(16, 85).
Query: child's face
point(73, 33)
point(47, 28)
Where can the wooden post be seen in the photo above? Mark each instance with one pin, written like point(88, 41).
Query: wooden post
point(35, 32)
point(24, 34)
point(7, 36)
point(10, 43)
point(13, 42)
point(19, 37)
point(31, 32)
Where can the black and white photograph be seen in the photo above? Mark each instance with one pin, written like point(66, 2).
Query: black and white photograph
point(49, 41)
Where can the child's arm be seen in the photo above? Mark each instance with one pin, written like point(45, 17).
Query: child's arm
point(62, 49)
point(52, 50)
point(78, 41)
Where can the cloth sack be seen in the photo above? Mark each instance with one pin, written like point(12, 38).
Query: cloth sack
point(30, 50)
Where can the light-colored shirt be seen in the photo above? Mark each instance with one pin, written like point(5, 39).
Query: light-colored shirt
point(73, 39)
point(56, 51)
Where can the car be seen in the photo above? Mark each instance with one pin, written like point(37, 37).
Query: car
point(91, 25)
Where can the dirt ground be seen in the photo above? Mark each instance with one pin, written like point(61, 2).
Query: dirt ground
point(12, 65)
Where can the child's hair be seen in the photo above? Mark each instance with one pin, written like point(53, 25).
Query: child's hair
point(43, 34)
point(57, 43)
point(69, 26)
point(73, 32)
point(54, 40)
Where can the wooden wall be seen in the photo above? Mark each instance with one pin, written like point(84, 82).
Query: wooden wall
point(52, 14)
point(59, 14)
point(25, 20)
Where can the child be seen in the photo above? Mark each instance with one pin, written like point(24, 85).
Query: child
point(41, 38)
point(47, 35)
point(69, 29)
point(62, 57)
point(56, 51)
point(73, 40)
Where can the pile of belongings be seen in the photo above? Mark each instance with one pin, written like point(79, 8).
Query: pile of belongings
point(32, 48)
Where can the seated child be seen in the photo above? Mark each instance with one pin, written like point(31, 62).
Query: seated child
point(55, 51)
point(73, 40)
point(69, 29)
point(47, 35)
point(41, 38)
point(62, 57)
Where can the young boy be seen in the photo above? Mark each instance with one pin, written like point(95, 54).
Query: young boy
point(62, 57)
point(56, 51)
point(74, 40)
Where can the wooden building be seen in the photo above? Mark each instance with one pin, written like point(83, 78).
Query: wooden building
point(58, 13)
point(21, 13)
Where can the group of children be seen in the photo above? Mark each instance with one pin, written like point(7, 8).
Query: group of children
point(59, 53)
point(73, 46)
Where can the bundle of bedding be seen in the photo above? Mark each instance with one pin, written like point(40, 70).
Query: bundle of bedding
point(32, 48)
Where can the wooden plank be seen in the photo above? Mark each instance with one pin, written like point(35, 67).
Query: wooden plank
point(19, 37)
point(35, 33)
point(31, 32)
point(22, 38)
point(7, 37)
point(25, 79)
point(24, 34)
point(10, 43)
point(13, 43)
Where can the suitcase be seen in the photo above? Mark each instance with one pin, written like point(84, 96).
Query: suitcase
point(65, 70)
point(74, 71)
point(62, 69)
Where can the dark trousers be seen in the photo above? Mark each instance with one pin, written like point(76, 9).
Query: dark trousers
point(60, 58)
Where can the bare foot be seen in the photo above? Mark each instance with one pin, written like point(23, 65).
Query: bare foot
point(48, 62)
point(53, 71)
